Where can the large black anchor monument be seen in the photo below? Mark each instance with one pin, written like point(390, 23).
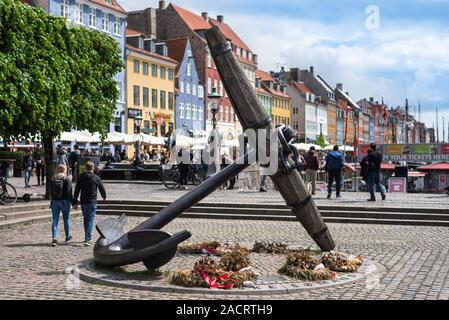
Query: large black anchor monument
point(154, 247)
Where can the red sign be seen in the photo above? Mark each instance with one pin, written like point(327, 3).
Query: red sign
point(445, 149)
point(397, 185)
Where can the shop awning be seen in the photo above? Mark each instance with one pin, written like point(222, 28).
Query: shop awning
point(440, 166)
point(387, 166)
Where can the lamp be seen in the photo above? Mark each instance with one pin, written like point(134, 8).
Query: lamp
point(138, 123)
point(138, 137)
point(214, 100)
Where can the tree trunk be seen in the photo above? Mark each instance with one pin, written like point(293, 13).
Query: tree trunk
point(49, 163)
point(252, 115)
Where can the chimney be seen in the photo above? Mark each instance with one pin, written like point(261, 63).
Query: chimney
point(340, 86)
point(311, 69)
point(204, 15)
point(294, 74)
point(161, 5)
point(371, 99)
point(220, 18)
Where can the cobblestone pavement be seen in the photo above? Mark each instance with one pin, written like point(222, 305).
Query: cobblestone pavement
point(157, 192)
point(414, 261)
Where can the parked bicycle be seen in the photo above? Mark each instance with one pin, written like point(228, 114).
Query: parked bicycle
point(171, 178)
point(8, 194)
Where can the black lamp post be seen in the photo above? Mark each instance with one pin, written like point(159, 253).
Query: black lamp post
point(214, 100)
point(138, 137)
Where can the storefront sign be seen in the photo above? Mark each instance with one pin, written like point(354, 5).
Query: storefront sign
point(409, 152)
point(397, 185)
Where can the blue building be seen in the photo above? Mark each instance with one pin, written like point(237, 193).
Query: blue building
point(189, 106)
point(106, 16)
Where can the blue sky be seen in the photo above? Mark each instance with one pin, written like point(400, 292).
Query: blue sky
point(403, 52)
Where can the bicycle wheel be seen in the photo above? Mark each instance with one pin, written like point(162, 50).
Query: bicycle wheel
point(171, 180)
point(8, 195)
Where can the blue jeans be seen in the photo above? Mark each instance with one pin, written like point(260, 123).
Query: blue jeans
point(89, 210)
point(374, 180)
point(56, 207)
point(27, 174)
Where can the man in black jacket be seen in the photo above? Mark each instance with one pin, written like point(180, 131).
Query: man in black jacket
point(88, 183)
point(374, 159)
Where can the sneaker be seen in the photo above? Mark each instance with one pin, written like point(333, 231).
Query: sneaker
point(384, 197)
point(88, 243)
point(68, 239)
point(262, 190)
point(54, 243)
point(371, 199)
point(328, 195)
point(338, 196)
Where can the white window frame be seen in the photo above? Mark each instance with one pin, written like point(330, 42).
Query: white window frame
point(209, 60)
point(188, 88)
point(181, 110)
point(221, 89)
point(181, 86)
point(65, 8)
point(200, 91)
point(105, 22)
point(194, 112)
point(237, 51)
point(216, 84)
point(193, 89)
point(188, 114)
point(227, 115)
point(92, 17)
point(221, 113)
point(209, 85)
point(232, 115)
point(117, 27)
point(78, 13)
point(189, 69)
point(200, 113)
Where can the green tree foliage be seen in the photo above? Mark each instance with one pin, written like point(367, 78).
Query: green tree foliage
point(53, 75)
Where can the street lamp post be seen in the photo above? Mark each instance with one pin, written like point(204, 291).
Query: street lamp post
point(214, 100)
point(138, 136)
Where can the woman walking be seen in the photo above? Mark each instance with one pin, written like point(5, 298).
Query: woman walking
point(61, 198)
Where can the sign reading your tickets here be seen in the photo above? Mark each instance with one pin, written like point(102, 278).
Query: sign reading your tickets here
point(397, 185)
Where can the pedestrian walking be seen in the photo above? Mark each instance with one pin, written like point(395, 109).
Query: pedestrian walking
point(61, 156)
point(225, 162)
point(263, 171)
point(27, 168)
point(183, 171)
point(74, 157)
point(61, 198)
point(88, 184)
point(312, 164)
point(374, 159)
point(39, 163)
point(334, 166)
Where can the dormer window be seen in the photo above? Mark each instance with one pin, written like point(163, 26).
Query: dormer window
point(250, 56)
point(237, 51)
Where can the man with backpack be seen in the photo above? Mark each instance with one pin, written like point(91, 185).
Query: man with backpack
point(88, 184)
point(312, 164)
point(334, 166)
point(374, 160)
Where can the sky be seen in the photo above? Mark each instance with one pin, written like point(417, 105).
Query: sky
point(394, 49)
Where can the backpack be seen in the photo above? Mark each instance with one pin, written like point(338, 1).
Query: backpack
point(57, 189)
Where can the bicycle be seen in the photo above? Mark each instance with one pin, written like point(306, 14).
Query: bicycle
point(171, 179)
point(8, 194)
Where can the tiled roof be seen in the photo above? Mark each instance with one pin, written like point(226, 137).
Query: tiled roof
point(301, 86)
point(264, 76)
point(132, 32)
point(177, 48)
point(435, 166)
point(114, 5)
point(194, 21)
point(262, 90)
point(151, 54)
point(230, 34)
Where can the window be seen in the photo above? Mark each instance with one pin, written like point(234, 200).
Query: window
point(200, 113)
point(232, 115)
point(162, 72)
point(154, 126)
point(170, 100)
point(226, 118)
point(170, 74)
point(145, 68)
point(181, 86)
point(78, 13)
point(187, 88)
point(162, 99)
point(194, 89)
point(136, 66)
point(209, 60)
point(216, 85)
point(154, 98)
point(181, 110)
point(109, 1)
point(237, 50)
point(243, 54)
point(250, 56)
point(154, 70)
point(221, 113)
point(92, 18)
point(136, 95)
point(120, 90)
point(189, 69)
point(209, 85)
point(65, 8)
point(146, 97)
point(105, 22)
point(221, 89)
point(200, 92)
point(188, 115)
point(194, 115)
point(117, 27)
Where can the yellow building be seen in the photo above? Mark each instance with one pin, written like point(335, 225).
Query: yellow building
point(150, 92)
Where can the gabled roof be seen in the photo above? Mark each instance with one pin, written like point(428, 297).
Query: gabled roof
point(230, 34)
point(263, 90)
point(323, 83)
point(301, 86)
point(177, 49)
point(115, 5)
point(444, 166)
point(151, 54)
point(348, 98)
point(264, 76)
point(194, 21)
